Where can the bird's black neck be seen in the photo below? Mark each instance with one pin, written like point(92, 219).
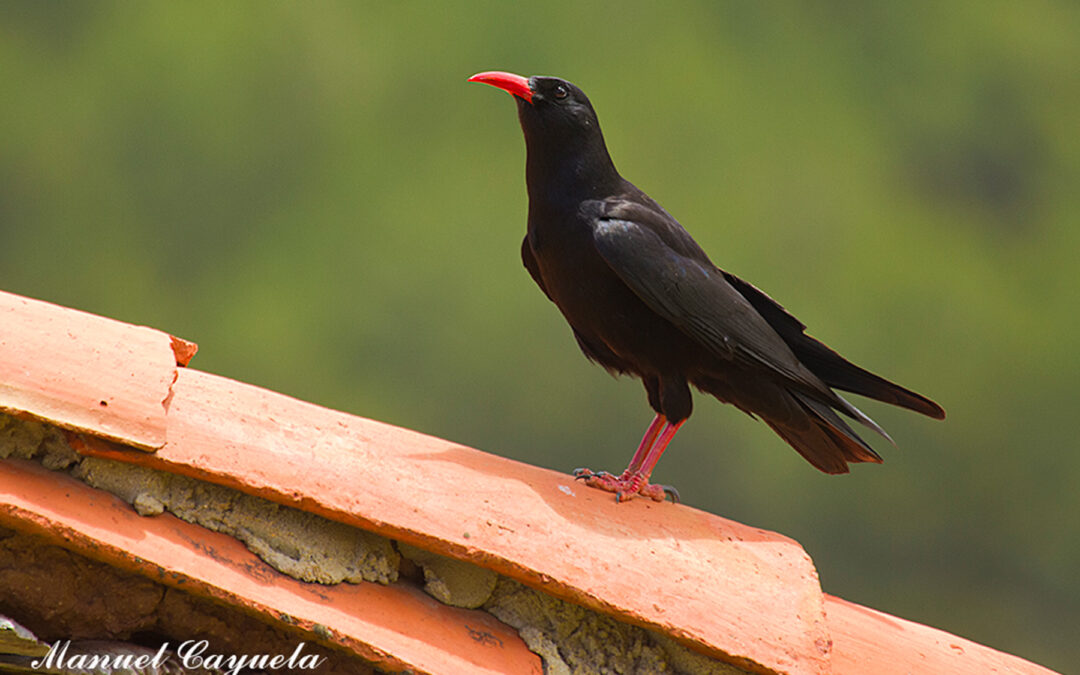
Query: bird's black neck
point(561, 171)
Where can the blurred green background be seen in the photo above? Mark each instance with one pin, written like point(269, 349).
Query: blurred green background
point(314, 194)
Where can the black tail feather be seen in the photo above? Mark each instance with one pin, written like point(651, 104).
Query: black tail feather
point(825, 440)
point(836, 371)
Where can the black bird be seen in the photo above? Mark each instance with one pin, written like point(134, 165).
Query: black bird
point(643, 299)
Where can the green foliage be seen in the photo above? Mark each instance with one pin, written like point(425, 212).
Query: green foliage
point(314, 194)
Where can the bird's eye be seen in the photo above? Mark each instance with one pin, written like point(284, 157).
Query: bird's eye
point(559, 92)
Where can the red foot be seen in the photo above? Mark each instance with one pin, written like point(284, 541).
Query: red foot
point(627, 485)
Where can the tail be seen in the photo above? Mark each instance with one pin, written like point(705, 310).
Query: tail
point(833, 369)
point(836, 371)
point(825, 440)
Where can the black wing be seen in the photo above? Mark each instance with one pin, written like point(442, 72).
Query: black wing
point(694, 296)
point(656, 258)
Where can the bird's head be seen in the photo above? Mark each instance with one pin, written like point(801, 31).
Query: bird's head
point(548, 107)
point(562, 133)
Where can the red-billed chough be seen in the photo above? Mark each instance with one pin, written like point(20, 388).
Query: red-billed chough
point(643, 299)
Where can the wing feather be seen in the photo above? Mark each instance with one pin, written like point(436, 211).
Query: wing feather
point(695, 297)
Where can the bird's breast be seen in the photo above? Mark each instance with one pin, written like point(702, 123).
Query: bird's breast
point(600, 306)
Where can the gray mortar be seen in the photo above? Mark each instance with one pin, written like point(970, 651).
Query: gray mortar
point(33, 440)
point(451, 581)
point(573, 639)
point(569, 638)
point(300, 544)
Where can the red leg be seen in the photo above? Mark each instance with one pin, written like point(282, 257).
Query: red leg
point(658, 448)
point(656, 492)
point(645, 445)
point(635, 480)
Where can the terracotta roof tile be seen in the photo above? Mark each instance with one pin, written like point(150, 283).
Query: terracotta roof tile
point(868, 641)
point(85, 372)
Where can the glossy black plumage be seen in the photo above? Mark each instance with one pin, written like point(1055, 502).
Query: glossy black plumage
point(644, 299)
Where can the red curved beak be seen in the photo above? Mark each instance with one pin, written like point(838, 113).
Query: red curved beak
point(515, 84)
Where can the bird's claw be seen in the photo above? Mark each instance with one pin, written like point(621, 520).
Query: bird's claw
point(626, 485)
point(659, 493)
point(585, 474)
point(670, 491)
